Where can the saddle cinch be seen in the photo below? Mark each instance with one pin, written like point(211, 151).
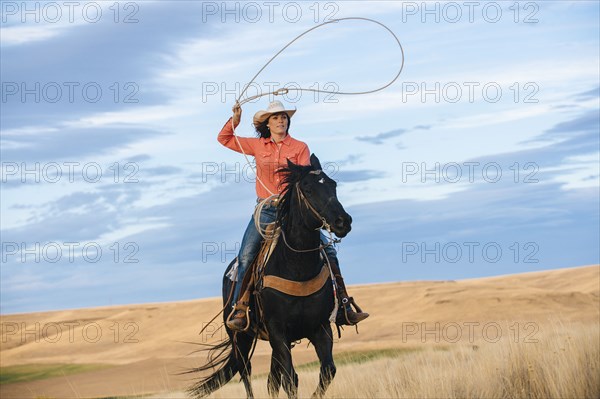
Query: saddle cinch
point(255, 280)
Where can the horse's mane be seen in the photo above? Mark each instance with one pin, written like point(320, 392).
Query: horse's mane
point(291, 175)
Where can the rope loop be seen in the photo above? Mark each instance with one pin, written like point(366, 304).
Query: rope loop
point(285, 90)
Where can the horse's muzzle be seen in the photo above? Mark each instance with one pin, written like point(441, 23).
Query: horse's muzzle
point(342, 226)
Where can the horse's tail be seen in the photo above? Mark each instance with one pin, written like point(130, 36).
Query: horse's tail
point(222, 359)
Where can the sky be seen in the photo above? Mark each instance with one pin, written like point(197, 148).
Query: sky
point(481, 159)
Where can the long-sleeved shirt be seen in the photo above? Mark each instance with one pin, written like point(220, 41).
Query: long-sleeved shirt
point(269, 156)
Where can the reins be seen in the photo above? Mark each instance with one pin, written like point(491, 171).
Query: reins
point(303, 200)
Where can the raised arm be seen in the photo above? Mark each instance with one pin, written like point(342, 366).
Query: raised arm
point(226, 137)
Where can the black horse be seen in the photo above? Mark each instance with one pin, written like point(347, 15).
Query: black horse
point(288, 318)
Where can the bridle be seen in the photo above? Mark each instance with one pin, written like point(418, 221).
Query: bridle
point(324, 225)
point(302, 198)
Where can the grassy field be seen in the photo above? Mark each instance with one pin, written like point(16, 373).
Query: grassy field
point(563, 363)
point(33, 372)
point(530, 335)
point(361, 357)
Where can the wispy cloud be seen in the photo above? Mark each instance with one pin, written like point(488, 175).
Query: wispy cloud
point(82, 143)
point(381, 137)
point(17, 35)
point(176, 209)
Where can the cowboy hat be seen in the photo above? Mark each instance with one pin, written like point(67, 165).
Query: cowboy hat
point(273, 108)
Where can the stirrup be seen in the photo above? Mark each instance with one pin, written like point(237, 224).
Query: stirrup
point(342, 316)
point(244, 306)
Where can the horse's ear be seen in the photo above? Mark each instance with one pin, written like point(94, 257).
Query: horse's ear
point(314, 162)
point(290, 164)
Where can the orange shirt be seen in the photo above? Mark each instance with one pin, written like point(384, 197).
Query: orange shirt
point(269, 156)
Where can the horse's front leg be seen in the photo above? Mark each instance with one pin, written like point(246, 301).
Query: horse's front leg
point(274, 379)
point(282, 369)
point(323, 342)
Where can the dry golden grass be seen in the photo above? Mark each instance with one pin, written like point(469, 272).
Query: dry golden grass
point(563, 363)
point(144, 345)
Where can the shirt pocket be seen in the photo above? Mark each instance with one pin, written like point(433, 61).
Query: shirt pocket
point(264, 160)
point(292, 156)
point(263, 157)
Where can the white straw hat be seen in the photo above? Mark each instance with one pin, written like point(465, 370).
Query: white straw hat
point(273, 108)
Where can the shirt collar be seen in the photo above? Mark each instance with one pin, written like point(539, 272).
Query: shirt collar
point(287, 140)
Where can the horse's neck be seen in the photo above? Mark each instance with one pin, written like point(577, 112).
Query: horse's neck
point(301, 238)
point(298, 265)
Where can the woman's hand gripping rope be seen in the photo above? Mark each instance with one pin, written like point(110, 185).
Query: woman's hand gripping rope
point(237, 113)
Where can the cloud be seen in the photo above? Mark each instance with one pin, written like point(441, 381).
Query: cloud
point(350, 176)
point(535, 226)
point(162, 171)
point(174, 212)
point(181, 247)
point(82, 143)
point(103, 72)
point(381, 137)
point(349, 160)
point(578, 135)
point(17, 35)
point(590, 94)
point(586, 123)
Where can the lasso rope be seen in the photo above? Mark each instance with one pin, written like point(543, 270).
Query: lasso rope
point(257, 212)
point(286, 90)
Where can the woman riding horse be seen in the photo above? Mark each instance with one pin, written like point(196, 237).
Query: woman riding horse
point(271, 150)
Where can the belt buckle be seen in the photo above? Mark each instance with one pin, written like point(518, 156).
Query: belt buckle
point(271, 202)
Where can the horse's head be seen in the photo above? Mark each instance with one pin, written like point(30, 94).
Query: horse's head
point(316, 196)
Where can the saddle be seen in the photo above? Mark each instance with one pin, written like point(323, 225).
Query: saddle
point(255, 281)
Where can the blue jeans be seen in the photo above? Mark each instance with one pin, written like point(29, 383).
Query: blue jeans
point(252, 241)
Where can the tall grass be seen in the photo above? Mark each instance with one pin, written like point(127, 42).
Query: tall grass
point(563, 363)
